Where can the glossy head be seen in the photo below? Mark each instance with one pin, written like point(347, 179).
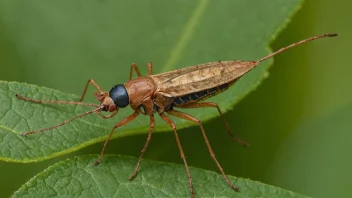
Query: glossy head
point(119, 95)
point(116, 98)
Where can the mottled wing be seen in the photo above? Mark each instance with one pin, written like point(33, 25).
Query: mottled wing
point(201, 77)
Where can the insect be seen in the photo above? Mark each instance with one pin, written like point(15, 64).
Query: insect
point(162, 93)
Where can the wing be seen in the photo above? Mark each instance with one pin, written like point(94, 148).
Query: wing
point(200, 77)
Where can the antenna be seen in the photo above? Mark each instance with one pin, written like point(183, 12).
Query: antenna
point(55, 101)
point(294, 45)
point(63, 123)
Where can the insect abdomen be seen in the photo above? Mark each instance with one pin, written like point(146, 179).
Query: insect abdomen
point(200, 95)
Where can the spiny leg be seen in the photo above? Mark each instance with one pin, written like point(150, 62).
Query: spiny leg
point(152, 122)
point(211, 104)
point(134, 66)
point(121, 123)
point(86, 87)
point(193, 119)
point(172, 125)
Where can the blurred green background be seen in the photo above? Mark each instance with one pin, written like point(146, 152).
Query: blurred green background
point(298, 122)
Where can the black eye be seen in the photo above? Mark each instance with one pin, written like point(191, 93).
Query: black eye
point(119, 95)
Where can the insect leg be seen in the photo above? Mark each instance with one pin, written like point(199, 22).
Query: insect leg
point(172, 125)
point(152, 122)
point(186, 116)
point(150, 68)
point(211, 104)
point(65, 102)
point(134, 66)
point(86, 87)
point(121, 123)
point(109, 116)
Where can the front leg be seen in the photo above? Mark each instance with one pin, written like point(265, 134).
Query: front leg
point(121, 123)
point(109, 116)
point(90, 81)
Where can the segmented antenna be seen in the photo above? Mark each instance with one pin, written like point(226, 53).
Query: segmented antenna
point(294, 45)
point(63, 123)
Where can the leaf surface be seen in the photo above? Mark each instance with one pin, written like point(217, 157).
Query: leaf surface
point(77, 177)
point(63, 43)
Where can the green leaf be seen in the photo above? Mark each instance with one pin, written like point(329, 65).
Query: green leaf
point(89, 38)
point(77, 177)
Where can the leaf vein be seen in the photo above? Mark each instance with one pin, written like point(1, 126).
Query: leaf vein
point(186, 35)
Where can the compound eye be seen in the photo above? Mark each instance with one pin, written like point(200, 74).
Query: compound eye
point(112, 108)
point(119, 95)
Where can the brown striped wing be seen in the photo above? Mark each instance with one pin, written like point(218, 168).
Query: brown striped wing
point(200, 77)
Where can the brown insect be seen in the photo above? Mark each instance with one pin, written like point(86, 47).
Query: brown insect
point(161, 93)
